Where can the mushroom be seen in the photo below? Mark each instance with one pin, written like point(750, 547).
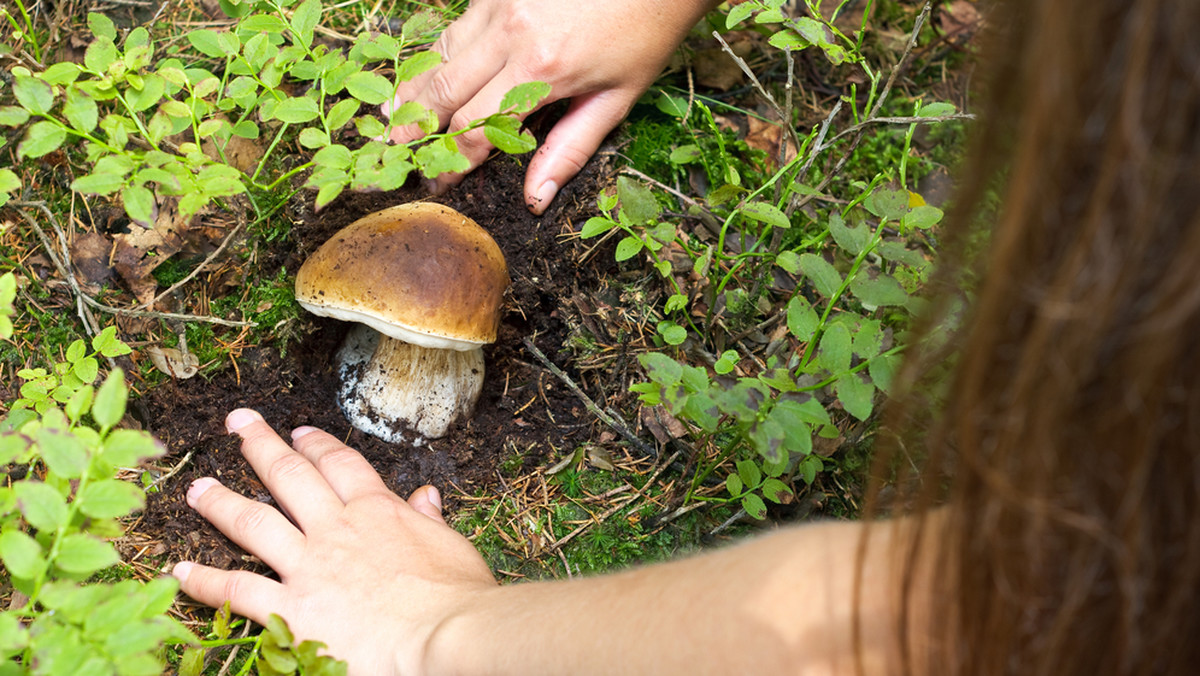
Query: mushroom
point(426, 283)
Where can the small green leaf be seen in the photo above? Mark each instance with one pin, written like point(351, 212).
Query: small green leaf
point(296, 110)
point(333, 157)
point(775, 490)
point(661, 368)
point(41, 505)
point(853, 240)
point(685, 154)
point(883, 371)
point(369, 87)
point(675, 302)
point(672, 333)
point(140, 205)
point(788, 39)
point(80, 110)
point(637, 201)
point(727, 362)
point(109, 407)
point(83, 554)
point(733, 484)
point(416, 64)
point(824, 277)
point(879, 291)
point(441, 157)
point(22, 554)
point(63, 452)
point(35, 95)
point(312, 137)
point(98, 184)
point(629, 247)
point(101, 26)
point(341, 112)
point(754, 506)
point(834, 353)
point(13, 116)
point(765, 212)
point(936, 109)
point(304, 20)
point(856, 395)
point(524, 98)
point(808, 468)
point(923, 217)
point(110, 499)
point(739, 13)
point(100, 55)
point(64, 72)
point(126, 448)
point(749, 472)
point(887, 204)
point(329, 192)
point(369, 127)
point(41, 138)
point(789, 261)
point(79, 403)
point(596, 225)
point(504, 132)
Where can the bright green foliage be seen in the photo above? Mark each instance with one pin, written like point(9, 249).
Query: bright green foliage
point(55, 521)
point(153, 127)
point(856, 262)
point(274, 651)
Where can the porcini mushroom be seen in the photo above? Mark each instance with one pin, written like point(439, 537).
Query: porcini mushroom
point(426, 282)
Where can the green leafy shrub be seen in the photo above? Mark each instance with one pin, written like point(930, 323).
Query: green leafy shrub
point(857, 265)
point(155, 127)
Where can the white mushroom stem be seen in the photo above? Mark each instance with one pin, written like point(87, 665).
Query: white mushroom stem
point(388, 384)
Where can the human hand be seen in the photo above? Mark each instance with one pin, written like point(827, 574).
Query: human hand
point(365, 572)
point(600, 54)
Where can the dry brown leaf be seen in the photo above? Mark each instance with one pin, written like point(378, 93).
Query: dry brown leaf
point(89, 254)
point(959, 20)
point(240, 153)
point(767, 137)
point(662, 424)
point(716, 70)
point(173, 362)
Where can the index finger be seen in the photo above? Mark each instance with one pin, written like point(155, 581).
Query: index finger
point(292, 479)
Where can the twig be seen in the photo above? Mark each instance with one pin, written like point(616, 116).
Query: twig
point(80, 296)
point(192, 275)
point(612, 421)
point(174, 470)
point(741, 514)
point(741, 63)
point(225, 666)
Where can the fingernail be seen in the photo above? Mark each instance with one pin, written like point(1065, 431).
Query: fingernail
point(301, 431)
point(239, 418)
point(182, 570)
point(435, 498)
point(543, 197)
point(197, 489)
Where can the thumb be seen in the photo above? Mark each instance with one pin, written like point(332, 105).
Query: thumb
point(572, 142)
point(427, 501)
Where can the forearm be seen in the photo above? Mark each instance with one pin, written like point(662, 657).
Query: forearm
point(781, 603)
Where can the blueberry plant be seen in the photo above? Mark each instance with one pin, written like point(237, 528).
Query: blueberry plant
point(851, 264)
point(155, 125)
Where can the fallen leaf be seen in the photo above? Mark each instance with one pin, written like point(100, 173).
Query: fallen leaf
point(89, 254)
point(767, 137)
point(960, 20)
point(716, 70)
point(600, 458)
point(662, 424)
point(173, 362)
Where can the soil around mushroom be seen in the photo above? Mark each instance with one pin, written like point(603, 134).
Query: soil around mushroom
point(522, 408)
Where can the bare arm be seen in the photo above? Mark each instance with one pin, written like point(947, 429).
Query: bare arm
point(392, 589)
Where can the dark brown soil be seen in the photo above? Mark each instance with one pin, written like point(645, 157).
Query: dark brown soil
point(523, 409)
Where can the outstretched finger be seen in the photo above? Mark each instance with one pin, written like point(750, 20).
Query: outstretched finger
point(346, 470)
point(292, 479)
point(572, 142)
point(259, 528)
point(249, 594)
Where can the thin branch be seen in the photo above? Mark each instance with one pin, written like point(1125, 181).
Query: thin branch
point(192, 275)
point(612, 421)
point(741, 63)
point(78, 292)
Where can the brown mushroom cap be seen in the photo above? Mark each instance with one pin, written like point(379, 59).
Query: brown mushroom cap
point(420, 272)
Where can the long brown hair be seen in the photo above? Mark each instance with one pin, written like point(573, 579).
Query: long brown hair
point(1071, 427)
